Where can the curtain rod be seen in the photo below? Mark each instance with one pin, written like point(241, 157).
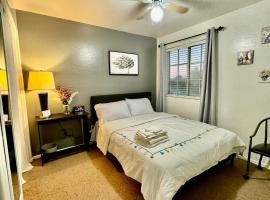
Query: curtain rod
point(221, 28)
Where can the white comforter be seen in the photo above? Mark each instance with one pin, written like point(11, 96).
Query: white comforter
point(193, 148)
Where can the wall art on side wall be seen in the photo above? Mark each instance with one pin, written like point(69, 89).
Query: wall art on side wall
point(121, 63)
point(245, 57)
point(264, 76)
point(266, 35)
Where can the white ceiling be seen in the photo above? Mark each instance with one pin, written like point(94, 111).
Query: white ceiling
point(119, 14)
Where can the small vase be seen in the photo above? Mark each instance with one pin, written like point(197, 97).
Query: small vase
point(264, 78)
point(66, 109)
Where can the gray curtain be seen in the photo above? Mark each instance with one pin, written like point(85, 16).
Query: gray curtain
point(207, 111)
point(162, 84)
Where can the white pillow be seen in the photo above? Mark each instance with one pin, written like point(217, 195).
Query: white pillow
point(112, 111)
point(139, 106)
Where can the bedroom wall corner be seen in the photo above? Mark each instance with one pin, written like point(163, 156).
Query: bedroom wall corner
point(242, 100)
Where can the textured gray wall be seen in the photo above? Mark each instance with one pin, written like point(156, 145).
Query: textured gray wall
point(78, 55)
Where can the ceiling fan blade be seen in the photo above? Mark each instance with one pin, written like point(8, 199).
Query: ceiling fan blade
point(142, 1)
point(176, 8)
point(144, 13)
point(138, 9)
point(194, 3)
point(145, 1)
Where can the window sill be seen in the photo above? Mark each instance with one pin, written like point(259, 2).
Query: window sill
point(183, 97)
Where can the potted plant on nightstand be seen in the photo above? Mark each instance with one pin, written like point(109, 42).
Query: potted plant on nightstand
point(66, 96)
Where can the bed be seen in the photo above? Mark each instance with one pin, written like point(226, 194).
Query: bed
point(193, 147)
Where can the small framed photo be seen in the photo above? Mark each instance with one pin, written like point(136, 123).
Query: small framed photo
point(266, 35)
point(121, 63)
point(245, 57)
point(264, 76)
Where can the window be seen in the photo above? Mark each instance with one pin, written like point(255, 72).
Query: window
point(185, 65)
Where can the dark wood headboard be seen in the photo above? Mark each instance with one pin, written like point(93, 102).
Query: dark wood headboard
point(111, 98)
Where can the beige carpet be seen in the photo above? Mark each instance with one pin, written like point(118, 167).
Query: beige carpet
point(92, 176)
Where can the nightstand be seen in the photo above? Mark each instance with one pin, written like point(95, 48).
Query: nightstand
point(62, 134)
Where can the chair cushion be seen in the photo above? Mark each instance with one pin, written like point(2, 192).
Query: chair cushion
point(262, 149)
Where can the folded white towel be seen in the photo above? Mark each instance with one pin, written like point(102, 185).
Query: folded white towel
point(151, 140)
point(158, 139)
point(149, 135)
point(152, 143)
point(153, 129)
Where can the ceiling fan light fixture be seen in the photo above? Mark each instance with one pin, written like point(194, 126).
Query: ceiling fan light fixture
point(156, 14)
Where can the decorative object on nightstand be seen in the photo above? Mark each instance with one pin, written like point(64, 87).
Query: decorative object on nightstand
point(69, 134)
point(42, 81)
point(78, 109)
point(66, 96)
point(4, 88)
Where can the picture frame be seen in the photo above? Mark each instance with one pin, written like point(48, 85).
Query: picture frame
point(264, 76)
point(265, 37)
point(123, 63)
point(245, 57)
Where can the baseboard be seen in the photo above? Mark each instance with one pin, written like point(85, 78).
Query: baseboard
point(36, 157)
point(256, 162)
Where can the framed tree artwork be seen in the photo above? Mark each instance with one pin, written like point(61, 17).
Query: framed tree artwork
point(121, 63)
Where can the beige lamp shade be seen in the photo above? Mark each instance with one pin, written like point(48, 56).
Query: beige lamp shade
point(3, 80)
point(40, 81)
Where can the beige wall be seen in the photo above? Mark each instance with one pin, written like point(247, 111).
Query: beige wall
point(183, 106)
point(242, 101)
point(78, 56)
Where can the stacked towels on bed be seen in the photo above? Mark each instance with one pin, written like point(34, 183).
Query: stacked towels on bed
point(151, 137)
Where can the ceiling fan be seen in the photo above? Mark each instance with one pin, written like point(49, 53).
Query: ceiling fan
point(156, 8)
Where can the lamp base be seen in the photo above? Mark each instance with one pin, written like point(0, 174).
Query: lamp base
point(5, 101)
point(43, 100)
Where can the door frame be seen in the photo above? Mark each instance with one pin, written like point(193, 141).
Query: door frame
point(8, 43)
point(6, 188)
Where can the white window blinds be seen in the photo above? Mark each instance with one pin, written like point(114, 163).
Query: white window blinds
point(185, 65)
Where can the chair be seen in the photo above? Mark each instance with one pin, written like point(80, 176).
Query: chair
point(262, 149)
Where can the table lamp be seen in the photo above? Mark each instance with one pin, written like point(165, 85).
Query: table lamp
point(3, 80)
point(4, 87)
point(42, 81)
